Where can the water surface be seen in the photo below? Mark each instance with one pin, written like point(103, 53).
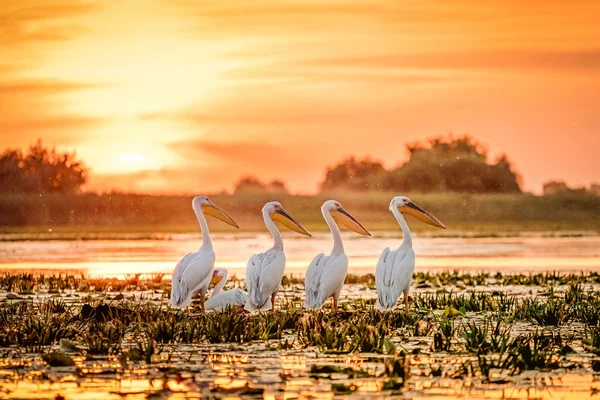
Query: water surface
point(121, 257)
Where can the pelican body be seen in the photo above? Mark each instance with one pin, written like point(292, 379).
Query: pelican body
point(395, 268)
point(219, 301)
point(264, 271)
point(325, 275)
point(194, 272)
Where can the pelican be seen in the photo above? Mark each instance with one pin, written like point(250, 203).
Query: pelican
point(220, 301)
point(265, 270)
point(326, 274)
point(194, 272)
point(395, 268)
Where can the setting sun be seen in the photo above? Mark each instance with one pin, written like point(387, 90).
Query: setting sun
point(135, 160)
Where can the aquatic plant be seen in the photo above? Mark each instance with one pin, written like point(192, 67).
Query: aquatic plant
point(473, 331)
point(103, 337)
point(553, 312)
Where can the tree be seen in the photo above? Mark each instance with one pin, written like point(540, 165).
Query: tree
point(276, 186)
point(249, 184)
point(252, 185)
point(351, 172)
point(41, 170)
point(554, 187)
point(560, 187)
point(442, 164)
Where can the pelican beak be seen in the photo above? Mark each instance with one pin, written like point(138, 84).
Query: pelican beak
point(290, 222)
point(421, 214)
point(216, 278)
point(343, 217)
point(212, 209)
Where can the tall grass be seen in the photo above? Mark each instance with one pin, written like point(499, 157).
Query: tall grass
point(118, 212)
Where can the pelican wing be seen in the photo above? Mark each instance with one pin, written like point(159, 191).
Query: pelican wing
point(393, 275)
point(312, 280)
point(191, 276)
point(383, 279)
point(263, 278)
point(228, 298)
point(405, 267)
point(176, 284)
point(325, 279)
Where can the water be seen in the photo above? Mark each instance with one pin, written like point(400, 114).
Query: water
point(108, 258)
point(224, 370)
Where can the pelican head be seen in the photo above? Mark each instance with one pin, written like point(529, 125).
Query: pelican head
point(206, 206)
point(406, 206)
point(277, 213)
point(340, 215)
point(217, 275)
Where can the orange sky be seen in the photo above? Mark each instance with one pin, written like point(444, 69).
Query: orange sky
point(182, 96)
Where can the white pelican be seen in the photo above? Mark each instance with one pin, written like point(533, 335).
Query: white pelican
point(395, 268)
point(220, 301)
point(265, 270)
point(326, 274)
point(194, 272)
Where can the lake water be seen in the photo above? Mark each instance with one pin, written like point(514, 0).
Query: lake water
point(117, 258)
point(206, 370)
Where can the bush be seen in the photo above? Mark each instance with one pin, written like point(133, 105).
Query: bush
point(41, 170)
point(443, 164)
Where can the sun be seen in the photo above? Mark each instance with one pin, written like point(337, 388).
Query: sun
point(133, 158)
point(131, 162)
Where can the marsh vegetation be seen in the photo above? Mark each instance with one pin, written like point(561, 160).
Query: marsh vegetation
point(489, 331)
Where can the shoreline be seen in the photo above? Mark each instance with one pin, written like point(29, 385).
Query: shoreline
point(500, 229)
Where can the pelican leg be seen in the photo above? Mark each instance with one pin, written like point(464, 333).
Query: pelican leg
point(406, 303)
point(335, 304)
point(273, 302)
point(202, 304)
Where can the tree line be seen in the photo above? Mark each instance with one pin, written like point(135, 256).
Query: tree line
point(41, 169)
point(443, 164)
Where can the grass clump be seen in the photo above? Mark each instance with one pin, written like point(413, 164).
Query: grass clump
point(554, 312)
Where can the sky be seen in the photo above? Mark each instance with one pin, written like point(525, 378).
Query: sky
point(188, 96)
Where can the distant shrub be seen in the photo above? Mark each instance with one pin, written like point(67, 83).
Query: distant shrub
point(252, 185)
point(352, 172)
point(560, 187)
point(442, 164)
point(40, 170)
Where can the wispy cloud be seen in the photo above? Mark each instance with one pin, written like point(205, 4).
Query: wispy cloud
point(32, 109)
point(489, 60)
point(43, 87)
point(256, 155)
point(35, 20)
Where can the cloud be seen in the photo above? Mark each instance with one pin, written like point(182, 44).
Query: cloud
point(184, 180)
point(32, 108)
point(501, 59)
point(272, 9)
point(393, 24)
point(27, 20)
point(42, 125)
point(260, 154)
point(299, 73)
point(43, 87)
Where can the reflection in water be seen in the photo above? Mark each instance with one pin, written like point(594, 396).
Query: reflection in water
point(268, 375)
point(120, 257)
